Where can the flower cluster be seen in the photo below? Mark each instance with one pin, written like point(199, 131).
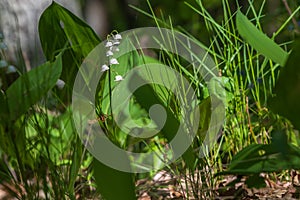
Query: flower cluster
point(5, 68)
point(112, 47)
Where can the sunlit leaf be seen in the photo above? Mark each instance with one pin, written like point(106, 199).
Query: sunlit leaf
point(32, 86)
point(274, 157)
point(259, 40)
point(59, 27)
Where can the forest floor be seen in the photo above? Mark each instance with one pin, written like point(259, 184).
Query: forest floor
point(165, 187)
point(168, 188)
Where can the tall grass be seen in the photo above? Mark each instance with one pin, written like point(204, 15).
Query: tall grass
point(249, 81)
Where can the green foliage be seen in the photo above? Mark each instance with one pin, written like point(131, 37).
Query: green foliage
point(259, 40)
point(287, 89)
point(42, 145)
point(147, 97)
point(36, 141)
point(31, 87)
point(280, 154)
point(58, 28)
point(274, 157)
point(114, 184)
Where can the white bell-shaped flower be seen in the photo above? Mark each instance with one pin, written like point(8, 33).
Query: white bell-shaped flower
point(60, 84)
point(11, 69)
point(113, 61)
point(108, 44)
point(104, 68)
point(109, 53)
point(118, 78)
point(117, 37)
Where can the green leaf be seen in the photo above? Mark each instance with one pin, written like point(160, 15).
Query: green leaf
point(260, 41)
point(59, 27)
point(255, 181)
point(75, 165)
point(287, 89)
point(32, 86)
point(274, 157)
point(113, 184)
point(205, 110)
point(147, 97)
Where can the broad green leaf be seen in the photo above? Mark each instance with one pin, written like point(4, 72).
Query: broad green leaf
point(147, 97)
point(274, 157)
point(59, 27)
point(287, 89)
point(259, 40)
point(113, 184)
point(32, 86)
